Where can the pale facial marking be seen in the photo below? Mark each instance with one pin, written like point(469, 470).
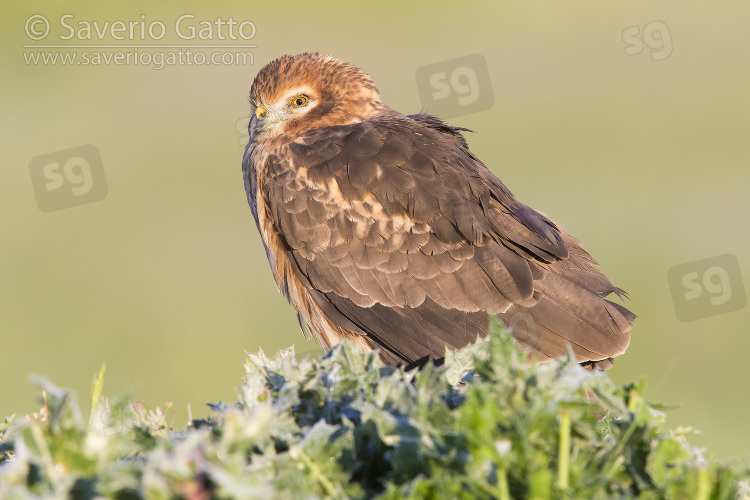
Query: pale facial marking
point(293, 104)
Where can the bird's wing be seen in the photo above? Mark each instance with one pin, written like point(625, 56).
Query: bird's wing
point(403, 236)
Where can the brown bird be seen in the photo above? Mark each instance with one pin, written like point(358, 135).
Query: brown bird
point(386, 230)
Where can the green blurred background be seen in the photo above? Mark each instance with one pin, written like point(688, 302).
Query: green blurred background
point(166, 280)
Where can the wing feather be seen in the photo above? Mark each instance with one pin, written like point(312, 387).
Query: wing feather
point(403, 236)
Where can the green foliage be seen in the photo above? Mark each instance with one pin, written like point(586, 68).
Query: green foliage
point(487, 424)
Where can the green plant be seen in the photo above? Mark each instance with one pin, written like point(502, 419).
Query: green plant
point(486, 424)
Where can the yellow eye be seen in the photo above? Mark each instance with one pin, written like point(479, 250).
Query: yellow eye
point(300, 100)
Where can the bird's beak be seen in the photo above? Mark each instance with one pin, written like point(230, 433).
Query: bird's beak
point(257, 121)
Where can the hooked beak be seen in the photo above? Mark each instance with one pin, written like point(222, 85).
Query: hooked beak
point(255, 127)
point(257, 122)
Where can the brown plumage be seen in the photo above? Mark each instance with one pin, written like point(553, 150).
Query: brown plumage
point(385, 229)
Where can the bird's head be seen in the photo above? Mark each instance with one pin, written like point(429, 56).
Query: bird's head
point(294, 94)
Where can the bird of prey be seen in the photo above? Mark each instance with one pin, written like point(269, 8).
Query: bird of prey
point(386, 230)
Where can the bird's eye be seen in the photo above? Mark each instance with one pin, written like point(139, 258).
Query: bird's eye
point(300, 100)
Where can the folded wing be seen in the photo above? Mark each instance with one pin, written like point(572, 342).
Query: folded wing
point(405, 238)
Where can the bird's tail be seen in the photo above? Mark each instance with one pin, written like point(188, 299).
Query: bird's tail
point(571, 309)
